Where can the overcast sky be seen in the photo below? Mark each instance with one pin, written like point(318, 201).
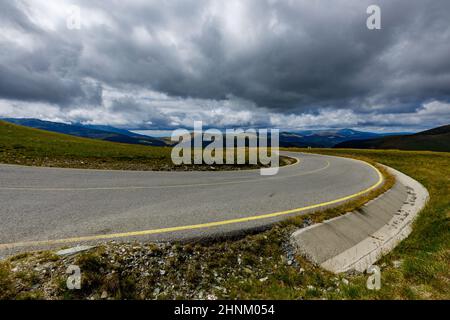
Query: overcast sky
point(294, 64)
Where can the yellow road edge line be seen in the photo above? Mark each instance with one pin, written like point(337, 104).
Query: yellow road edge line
point(195, 226)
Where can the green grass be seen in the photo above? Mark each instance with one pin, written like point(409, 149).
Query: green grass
point(28, 146)
point(425, 254)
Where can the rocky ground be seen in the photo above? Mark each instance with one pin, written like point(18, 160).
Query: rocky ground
point(157, 270)
point(219, 270)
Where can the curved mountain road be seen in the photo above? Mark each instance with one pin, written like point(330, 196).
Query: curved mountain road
point(41, 207)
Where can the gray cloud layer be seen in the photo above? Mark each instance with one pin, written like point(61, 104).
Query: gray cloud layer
point(165, 63)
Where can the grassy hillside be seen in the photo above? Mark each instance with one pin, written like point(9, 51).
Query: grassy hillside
point(437, 139)
point(105, 133)
point(29, 146)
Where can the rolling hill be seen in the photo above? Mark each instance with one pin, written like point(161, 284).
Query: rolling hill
point(30, 146)
point(105, 133)
point(437, 139)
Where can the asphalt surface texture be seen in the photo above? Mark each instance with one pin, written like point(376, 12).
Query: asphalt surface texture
point(45, 207)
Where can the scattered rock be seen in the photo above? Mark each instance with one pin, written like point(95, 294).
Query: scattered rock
point(397, 263)
point(73, 250)
point(248, 270)
point(104, 295)
point(307, 222)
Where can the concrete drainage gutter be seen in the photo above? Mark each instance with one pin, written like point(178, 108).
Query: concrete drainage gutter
point(356, 240)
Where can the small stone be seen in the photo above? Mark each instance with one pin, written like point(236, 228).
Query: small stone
point(263, 279)
point(397, 263)
point(345, 281)
point(162, 272)
point(74, 250)
point(104, 295)
point(310, 287)
point(302, 270)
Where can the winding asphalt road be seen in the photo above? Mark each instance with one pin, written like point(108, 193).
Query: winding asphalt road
point(41, 207)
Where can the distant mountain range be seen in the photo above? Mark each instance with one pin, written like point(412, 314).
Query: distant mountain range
point(106, 133)
point(323, 138)
point(342, 138)
point(437, 139)
point(311, 138)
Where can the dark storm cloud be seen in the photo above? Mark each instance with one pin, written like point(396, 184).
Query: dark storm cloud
point(43, 65)
point(288, 57)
